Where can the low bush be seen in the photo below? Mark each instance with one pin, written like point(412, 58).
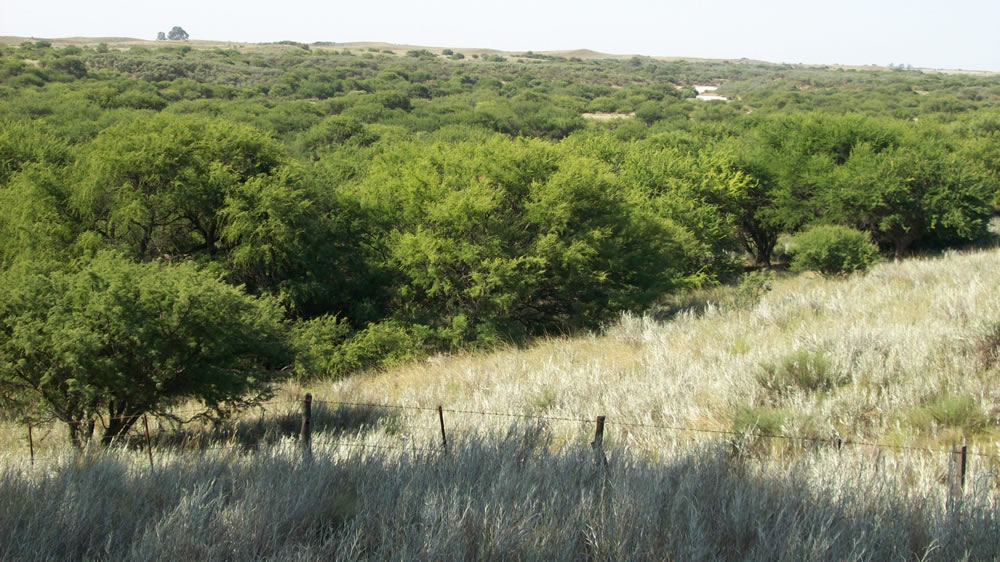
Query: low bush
point(805, 370)
point(833, 250)
point(753, 286)
point(327, 347)
point(960, 411)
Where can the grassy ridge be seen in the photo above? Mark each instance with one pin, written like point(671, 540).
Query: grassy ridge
point(905, 355)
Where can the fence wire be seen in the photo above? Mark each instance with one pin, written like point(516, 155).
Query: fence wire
point(832, 441)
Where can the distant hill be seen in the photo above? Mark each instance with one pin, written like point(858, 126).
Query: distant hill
point(586, 54)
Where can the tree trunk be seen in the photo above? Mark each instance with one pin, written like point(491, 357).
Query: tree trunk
point(80, 432)
point(118, 427)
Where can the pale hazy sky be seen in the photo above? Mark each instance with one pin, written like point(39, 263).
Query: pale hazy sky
point(935, 34)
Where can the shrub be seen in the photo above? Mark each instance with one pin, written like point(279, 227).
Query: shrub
point(502, 239)
point(988, 346)
point(386, 344)
point(331, 133)
point(805, 370)
point(753, 286)
point(765, 421)
point(326, 347)
point(833, 250)
point(950, 410)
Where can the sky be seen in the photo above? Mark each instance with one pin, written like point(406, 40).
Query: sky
point(922, 33)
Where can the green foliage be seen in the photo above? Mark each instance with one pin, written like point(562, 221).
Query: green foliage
point(371, 189)
point(115, 338)
point(753, 286)
point(331, 133)
point(509, 238)
point(790, 162)
point(420, 53)
point(179, 188)
point(650, 111)
point(950, 410)
point(802, 370)
point(921, 192)
point(156, 187)
point(22, 144)
point(328, 348)
point(833, 250)
point(177, 33)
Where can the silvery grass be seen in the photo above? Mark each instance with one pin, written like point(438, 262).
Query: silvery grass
point(495, 495)
point(899, 338)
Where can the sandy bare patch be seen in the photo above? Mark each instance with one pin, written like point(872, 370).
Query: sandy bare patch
point(598, 116)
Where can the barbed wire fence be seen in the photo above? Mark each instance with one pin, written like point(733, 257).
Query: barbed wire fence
point(957, 456)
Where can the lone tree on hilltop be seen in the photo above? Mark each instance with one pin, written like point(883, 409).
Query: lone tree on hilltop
point(177, 33)
point(161, 36)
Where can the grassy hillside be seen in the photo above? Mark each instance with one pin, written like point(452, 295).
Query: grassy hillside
point(906, 355)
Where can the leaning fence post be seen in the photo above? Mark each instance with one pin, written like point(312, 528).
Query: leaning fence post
point(31, 445)
point(444, 438)
point(598, 443)
point(149, 446)
point(305, 435)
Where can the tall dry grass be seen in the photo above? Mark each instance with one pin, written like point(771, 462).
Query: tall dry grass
point(495, 496)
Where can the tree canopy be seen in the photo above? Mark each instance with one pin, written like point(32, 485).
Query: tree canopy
point(107, 340)
point(177, 33)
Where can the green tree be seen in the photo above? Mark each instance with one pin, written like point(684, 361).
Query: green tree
point(498, 240)
point(791, 163)
point(177, 33)
point(155, 187)
point(108, 340)
point(23, 143)
point(177, 188)
point(921, 192)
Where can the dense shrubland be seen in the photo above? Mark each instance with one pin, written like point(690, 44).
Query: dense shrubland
point(396, 206)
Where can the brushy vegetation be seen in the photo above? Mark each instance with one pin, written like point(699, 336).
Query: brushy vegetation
point(833, 250)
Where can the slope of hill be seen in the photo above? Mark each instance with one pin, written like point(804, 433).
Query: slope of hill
point(906, 355)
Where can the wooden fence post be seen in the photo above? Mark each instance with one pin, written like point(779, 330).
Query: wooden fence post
point(956, 476)
point(963, 459)
point(149, 445)
point(598, 443)
point(444, 438)
point(305, 435)
point(31, 445)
